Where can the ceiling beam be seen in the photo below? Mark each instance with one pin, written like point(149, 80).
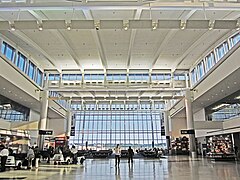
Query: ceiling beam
point(132, 37)
point(98, 41)
point(184, 16)
point(60, 36)
point(122, 5)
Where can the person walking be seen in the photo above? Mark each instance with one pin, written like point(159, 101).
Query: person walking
point(117, 151)
point(4, 154)
point(130, 154)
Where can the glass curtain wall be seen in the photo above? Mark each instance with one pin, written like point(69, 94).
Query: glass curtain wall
point(103, 126)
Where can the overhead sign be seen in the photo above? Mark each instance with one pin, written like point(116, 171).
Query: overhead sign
point(72, 133)
point(45, 132)
point(190, 131)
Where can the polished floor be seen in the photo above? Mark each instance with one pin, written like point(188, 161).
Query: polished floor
point(172, 168)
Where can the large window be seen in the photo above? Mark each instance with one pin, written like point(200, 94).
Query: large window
point(72, 77)
point(31, 70)
point(94, 77)
point(21, 62)
point(234, 40)
point(160, 77)
point(103, 126)
point(8, 51)
point(116, 77)
point(201, 70)
point(210, 61)
point(39, 79)
point(138, 77)
point(221, 50)
point(12, 111)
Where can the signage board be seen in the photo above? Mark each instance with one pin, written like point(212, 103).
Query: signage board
point(45, 132)
point(189, 131)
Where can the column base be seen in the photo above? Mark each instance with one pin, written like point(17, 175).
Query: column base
point(193, 155)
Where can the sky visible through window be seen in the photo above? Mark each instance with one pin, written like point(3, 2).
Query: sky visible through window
point(129, 125)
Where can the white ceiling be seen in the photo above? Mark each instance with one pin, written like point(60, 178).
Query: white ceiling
point(114, 48)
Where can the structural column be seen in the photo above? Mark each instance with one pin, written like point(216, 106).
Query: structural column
point(166, 126)
point(190, 122)
point(43, 116)
point(69, 121)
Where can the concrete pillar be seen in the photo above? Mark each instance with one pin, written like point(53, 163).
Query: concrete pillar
point(43, 116)
point(166, 126)
point(69, 123)
point(190, 122)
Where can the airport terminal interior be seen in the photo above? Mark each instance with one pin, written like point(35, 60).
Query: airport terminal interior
point(120, 89)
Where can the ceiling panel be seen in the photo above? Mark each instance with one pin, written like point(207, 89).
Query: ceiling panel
point(64, 14)
point(113, 14)
point(16, 15)
point(210, 14)
point(162, 14)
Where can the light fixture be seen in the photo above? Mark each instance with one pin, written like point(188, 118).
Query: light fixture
point(40, 27)
point(238, 26)
point(68, 27)
point(211, 25)
point(220, 106)
point(154, 26)
point(12, 27)
point(125, 26)
point(97, 27)
point(183, 25)
point(238, 97)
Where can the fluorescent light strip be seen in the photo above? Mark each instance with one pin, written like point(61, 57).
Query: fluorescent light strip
point(219, 106)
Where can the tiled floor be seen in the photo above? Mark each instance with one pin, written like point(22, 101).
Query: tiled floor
point(172, 168)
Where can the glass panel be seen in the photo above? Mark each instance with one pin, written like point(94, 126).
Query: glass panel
point(31, 70)
point(21, 61)
point(39, 77)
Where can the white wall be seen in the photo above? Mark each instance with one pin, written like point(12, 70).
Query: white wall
point(15, 77)
point(199, 116)
point(4, 124)
point(177, 125)
point(57, 125)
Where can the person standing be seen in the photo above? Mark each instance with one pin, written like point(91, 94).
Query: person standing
point(130, 154)
point(74, 152)
point(236, 151)
point(30, 157)
point(117, 151)
point(4, 154)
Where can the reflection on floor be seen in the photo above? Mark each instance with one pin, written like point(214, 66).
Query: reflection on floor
point(172, 168)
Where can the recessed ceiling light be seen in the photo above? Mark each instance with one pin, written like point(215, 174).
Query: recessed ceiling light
point(228, 87)
point(9, 91)
point(222, 90)
point(235, 82)
point(4, 88)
